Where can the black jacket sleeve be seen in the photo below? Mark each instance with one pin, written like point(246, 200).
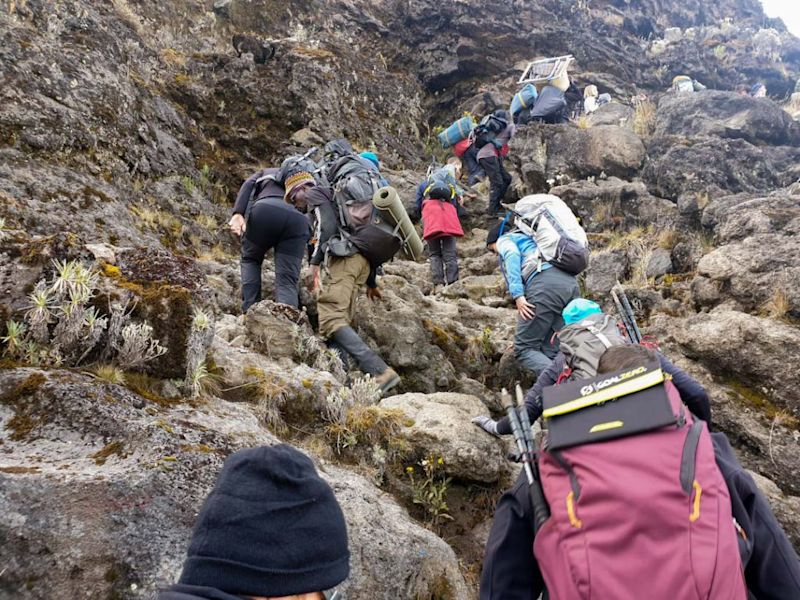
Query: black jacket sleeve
point(510, 571)
point(240, 206)
point(692, 393)
point(324, 223)
point(533, 399)
point(771, 566)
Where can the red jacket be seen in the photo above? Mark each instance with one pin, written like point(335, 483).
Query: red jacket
point(440, 219)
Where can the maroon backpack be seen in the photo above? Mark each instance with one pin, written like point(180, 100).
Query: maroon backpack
point(639, 508)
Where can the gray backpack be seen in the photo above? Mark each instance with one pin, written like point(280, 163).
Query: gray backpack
point(584, 342)
point(354, 182)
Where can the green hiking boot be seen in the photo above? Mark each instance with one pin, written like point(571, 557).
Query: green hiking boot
point(387, 380)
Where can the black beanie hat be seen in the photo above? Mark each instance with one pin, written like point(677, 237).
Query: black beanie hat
point(494, 233)
point(270, 527)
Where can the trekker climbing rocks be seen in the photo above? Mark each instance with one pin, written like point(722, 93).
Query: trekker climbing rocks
point(771, 567)
point(351, 249)
point(582, 355)
point(540, 290)
point(440, 200)
point(270, 528)
point(264, 220)
point(491, 138)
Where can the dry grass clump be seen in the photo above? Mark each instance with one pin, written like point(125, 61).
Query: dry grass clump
point(778, 306)
point(668, 239)
point(644, 117)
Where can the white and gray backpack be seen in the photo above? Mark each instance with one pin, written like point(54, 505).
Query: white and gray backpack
point(560, 239)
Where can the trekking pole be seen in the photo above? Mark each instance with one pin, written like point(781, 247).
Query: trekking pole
point(627, 305)
point(623, 316)
point(541, 511)
point(516, 430)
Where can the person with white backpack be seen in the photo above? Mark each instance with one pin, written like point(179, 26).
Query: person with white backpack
point(540, 257)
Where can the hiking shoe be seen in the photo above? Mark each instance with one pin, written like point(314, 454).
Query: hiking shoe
point(387, 380)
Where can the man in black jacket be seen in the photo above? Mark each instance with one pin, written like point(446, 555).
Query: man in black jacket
point(772, 570)
point(270, 528)
point(269, 222)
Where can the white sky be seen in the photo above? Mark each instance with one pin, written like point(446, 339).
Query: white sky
point(788, 10)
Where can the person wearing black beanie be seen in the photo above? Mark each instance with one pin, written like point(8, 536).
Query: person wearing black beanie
point(270, 528)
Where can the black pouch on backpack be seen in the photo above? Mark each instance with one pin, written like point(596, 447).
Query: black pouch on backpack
point(606, 407)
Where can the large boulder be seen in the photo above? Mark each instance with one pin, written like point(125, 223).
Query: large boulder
point(612, 113)
point(727, 115)
point(757, 351)
point(613, 203)
point(100, 489)
point(758, 262)
point(442, 427)
point(717, 166)
point(277, 330)
point(564, 153)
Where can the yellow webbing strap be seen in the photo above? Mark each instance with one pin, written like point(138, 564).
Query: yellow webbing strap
point(573, 519)
point(698, 491)
point(629, 384)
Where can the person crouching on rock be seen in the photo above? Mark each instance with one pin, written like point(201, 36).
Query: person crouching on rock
point(264, 220)
point(352, 256)
point(271, 529)
point(440, 222)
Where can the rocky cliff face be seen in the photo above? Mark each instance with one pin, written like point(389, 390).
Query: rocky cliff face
point(126, 128)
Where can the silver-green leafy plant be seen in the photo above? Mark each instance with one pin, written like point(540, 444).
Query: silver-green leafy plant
point(138, 346)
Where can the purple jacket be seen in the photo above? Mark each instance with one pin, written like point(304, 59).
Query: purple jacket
point(500, 140)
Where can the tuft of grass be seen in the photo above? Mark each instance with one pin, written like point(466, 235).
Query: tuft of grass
point(173, 57)
point(778, 306)
point(644, 118)
point(583, 122)
point(110, 373)
point(668, 239)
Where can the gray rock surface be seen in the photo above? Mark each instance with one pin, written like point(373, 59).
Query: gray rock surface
point(753, 349)
point(443, 428)
point(726, 115)
point(108, 486)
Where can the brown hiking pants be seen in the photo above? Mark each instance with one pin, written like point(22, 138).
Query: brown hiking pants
point(337, 300)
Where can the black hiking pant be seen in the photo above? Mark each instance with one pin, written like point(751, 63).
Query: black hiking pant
point(444, 260)
point(273, 224)
point(500, 180)
point(771, 566)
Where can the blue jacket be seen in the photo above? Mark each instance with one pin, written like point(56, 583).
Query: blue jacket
point(517, 255)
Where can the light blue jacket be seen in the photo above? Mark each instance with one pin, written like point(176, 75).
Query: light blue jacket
point(519, 261)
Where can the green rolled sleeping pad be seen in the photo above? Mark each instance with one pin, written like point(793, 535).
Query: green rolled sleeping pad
point(388, 202)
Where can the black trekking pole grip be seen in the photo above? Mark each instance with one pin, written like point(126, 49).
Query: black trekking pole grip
point(631, 315)
point(516, 430)
point(541, 510)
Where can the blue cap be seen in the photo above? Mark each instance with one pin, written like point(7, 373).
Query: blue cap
point(371, 156)
point(579, 309)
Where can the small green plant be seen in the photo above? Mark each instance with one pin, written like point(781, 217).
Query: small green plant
point(430, 490)
point(188, 184)
point(202, 382)
point(200, 320)
point(14, 339)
